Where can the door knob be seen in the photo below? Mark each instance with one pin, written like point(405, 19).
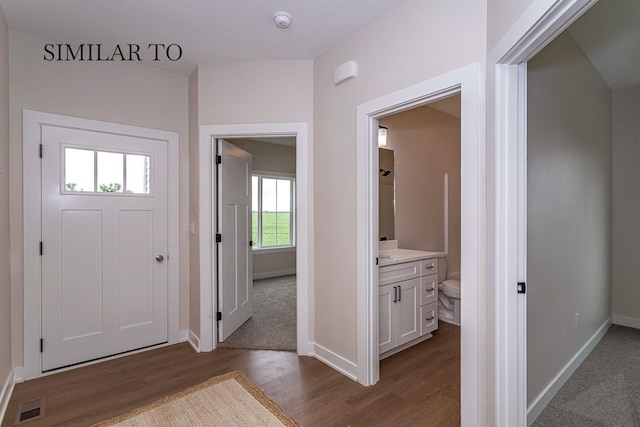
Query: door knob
point(159, 258)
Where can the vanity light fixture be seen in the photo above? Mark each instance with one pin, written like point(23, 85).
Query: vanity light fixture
point(382, 136)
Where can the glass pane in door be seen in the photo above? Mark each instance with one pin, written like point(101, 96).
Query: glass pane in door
point(79, 170)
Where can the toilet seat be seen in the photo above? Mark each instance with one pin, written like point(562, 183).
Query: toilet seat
point(451, 288)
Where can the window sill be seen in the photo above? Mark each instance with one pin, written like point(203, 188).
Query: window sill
point(261, 251)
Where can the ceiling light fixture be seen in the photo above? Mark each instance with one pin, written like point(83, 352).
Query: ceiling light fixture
point(282, 19)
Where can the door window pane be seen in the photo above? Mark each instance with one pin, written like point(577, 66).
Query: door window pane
point(110, 172)
point(138, 170)
point(79, 170)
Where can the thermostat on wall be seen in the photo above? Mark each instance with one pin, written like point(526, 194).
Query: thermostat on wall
point(344, 72)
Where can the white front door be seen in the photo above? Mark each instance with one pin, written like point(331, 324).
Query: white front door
point(104, 244)
point(235, 276)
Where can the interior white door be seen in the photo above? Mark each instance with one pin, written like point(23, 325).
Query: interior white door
point(104, 245)
point(235, 276)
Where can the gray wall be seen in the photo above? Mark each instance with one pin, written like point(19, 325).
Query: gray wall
point(5, 279)
point(569, 208)
point(626, 206)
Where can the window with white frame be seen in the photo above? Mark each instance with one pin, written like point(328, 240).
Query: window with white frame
point(273, 217)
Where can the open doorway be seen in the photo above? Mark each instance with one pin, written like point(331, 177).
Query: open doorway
point(582, 162)
point(526, 38)
point(209, 134)
point(272, 322)
point(463, 81)
point(419, 250)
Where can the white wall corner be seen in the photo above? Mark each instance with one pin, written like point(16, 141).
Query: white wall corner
point(183, 336)
point(5, 393)
point(541, 402)
point(194, 341)
point(630, 322)
point(337, 362)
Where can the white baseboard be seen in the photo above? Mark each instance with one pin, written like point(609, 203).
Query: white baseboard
point(184, 335)
point(541, 402)
point(277, 273)
point(5, 393)
point(194, 341)
point(335, 361)
point(18, 374)
point(630, 322)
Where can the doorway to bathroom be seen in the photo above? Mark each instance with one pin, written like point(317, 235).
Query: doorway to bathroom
point(419, 225)
point(464, 82)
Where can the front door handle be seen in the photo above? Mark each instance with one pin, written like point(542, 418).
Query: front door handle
point(159, 258)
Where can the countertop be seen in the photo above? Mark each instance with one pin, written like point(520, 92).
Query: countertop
point(398, 256)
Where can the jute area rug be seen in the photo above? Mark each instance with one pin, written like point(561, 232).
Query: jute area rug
point(226, 400)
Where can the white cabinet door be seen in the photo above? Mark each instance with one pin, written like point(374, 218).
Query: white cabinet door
point(407, 311)
point(428, 318)
point(386, 314)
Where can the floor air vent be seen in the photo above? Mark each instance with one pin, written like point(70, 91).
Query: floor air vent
point(31, 410)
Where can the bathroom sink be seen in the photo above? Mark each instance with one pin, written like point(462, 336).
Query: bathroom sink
point(396, 256)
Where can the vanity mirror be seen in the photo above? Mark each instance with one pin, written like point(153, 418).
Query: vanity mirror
point(386, 194)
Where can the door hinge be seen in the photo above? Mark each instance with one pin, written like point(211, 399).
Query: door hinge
point(41, 248)
point(250, 242)
point(218, 238)
point(376, 260)
point(40, 150)
point(218, 160)
point(219, 316)
point(522, 287)
point(41, 345)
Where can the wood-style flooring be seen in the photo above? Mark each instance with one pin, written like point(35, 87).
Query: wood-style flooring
point(418, 387)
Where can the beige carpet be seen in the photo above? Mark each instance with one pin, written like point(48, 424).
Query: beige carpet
point(226, 400)
point(273, 324)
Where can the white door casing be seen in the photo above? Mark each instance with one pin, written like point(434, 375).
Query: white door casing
point(208, 220)
point(535, 28)
point(235, 275)
point(464, 81)
point(33, 125)
point(103, 292)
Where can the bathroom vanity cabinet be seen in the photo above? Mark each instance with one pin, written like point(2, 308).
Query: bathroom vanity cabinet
point(408, 302)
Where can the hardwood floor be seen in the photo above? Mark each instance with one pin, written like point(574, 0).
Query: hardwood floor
point(418, 387)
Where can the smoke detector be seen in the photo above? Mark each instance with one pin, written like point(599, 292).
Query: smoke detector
point(282, 19)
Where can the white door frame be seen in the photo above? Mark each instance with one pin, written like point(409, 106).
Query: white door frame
point(207, 221)
point(538, 26)
point(32, 124)
point(465, 82)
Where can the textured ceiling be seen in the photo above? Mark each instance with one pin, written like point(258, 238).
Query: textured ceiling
point(208, 31)
point(211, 31)
point(609, 34)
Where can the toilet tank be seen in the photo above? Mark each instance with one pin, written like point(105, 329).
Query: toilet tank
point(442, 268)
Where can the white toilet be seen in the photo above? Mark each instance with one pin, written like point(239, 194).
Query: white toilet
point(448, 294)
